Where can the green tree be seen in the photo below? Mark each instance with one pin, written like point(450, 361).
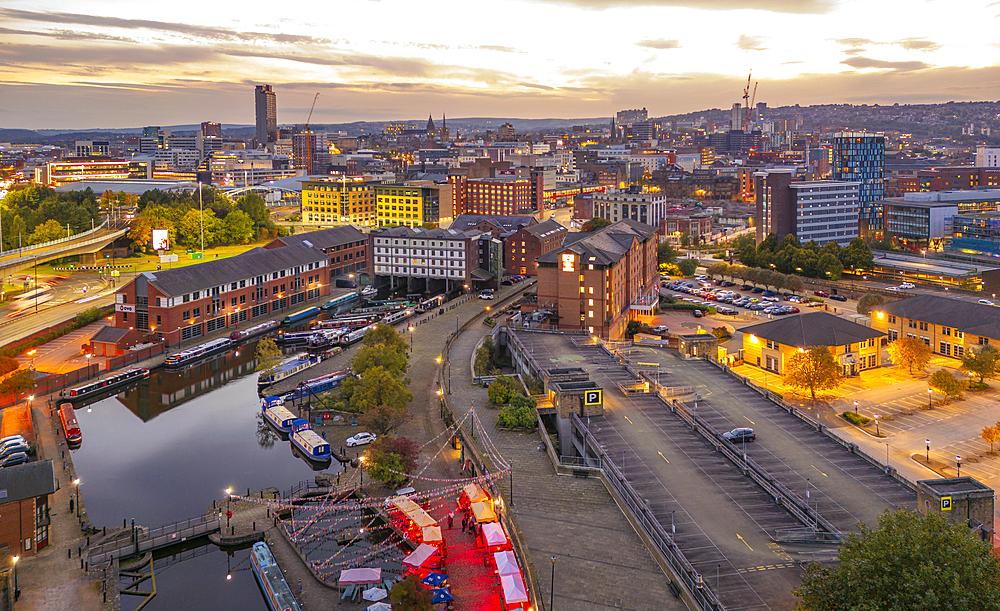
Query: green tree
point(748, 255)
point(378, 388)
point(868, 302)
point(17, 383)
point(910, 562)
point(377, 355)
point(857, 255)
point(237, 228)
point(982, 362)
point(665, 253)
point(387, 336)
point(946, 383)
point(829, 267)
point(805, 262)
point(688, 266)
point(910, 352)
point(718, 270)
point(501, 390)
point(813, 369)
point(789, 240)
point(769, 244)
point(253, 206)
point(632, 328)
point(410, 595)
point(269, 356)
point(813, 245)
point(685, 239)
point(190, 228)
point(794, 284)
point(46, 232)
point(594, 224)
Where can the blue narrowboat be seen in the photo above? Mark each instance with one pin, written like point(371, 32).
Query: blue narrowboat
point(340, 302)
point(287, 370)
point(277, 416)
point(309, 442)
point(301, 315)
point(298, 337)
point(317, 385)
point(263, 327)
point(270, 579)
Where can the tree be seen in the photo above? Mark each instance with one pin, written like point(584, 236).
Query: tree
point(910, 352)
point(718, 269)
point(869, 301)
point(665, 253)
point(688, 266)
point(814, 368)
point(685, 239)
point(911, 561)
point(253, 206)
point(946, 383)
point(594, 224)
point(748, 255)
point(829, 267)
point(632, 328)
point(191, 226)
point(794, 284)
point(789, 240)
point(381, 398)
point(805, 262)
point(857, 255)
point(378, 355)
point(769, 243)
point(982, 362)
point(269, 356)
point(410, 595)
point(46, 232)
point(237, 228)
point(991, 435)
point(384, 419)
point(501, 390)
point(388, 454)
point(387, 336)
point(17, 383)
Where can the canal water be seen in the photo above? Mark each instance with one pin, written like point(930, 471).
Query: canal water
point(164, 449)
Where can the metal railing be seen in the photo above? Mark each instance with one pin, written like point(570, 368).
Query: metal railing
point(75, 236)
point(154, 538)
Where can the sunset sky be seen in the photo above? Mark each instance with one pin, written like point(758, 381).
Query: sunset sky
point(92, 63)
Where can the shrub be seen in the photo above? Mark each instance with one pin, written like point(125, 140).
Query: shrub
point(8, 364)
point(856, 419)
point(501, 390)
point(519, 414)
point(974, 385)
point(535, 385)
point(722, 333)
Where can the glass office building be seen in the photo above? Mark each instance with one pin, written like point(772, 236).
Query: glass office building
point(860, 157)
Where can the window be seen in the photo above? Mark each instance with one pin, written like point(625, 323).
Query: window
point(945, 331)
point(912, 324)
point(945, 349)
point(892, 320)
point(197, 312)
point(923, 326)
point(959, 351)
point(186, 314)
point(984, 341)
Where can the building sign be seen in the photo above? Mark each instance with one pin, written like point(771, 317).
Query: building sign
point(593, 397)
point(946, 503)
point(124, 307)
point(568, 262)
point(161, 239)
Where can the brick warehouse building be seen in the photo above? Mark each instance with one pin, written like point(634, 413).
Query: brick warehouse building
point(178, 304)
point(345, 247)
point(24, 507)
point(527, 243)
point(597, 282)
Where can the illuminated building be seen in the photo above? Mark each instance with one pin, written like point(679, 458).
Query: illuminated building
point(820, 210)
point(266, 107)
point(860, 157)
point(527, 243)
point(436, 259)
point(329, 202)
point(62, 172)
point(647, 208)
point(211, 129)
point(500, 196)
point(408, 205)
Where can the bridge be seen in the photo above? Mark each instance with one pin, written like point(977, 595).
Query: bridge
point(138, 541)
point(91, 241)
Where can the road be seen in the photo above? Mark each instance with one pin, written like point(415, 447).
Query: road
point(64, 305)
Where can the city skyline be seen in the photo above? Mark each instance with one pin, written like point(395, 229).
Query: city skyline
point(96, 64)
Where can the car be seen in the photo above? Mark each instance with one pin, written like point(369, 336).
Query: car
point(757, 290)
point(360, 439)
point(792, 310)
point(13, 449)
point(838, 298)
point(17, 458)
point(746, 287)
point(697, 313)
point(892, 288)
point(486, 294)
point(14, 441)
point(985, 302)
point(6, 440)
point(507, 282)
point(770, 294)
point(661, 329)
point(821, 293)
point(906, 285)
point(740, 434)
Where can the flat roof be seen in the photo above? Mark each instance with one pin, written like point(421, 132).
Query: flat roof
point(933, 267)
point(954, 485)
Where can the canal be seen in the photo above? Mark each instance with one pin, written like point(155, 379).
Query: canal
point(164, 449)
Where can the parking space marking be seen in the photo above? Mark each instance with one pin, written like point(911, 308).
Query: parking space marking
point(820, 472)
point(766, 567)
point(629, 420)
point(750, 421)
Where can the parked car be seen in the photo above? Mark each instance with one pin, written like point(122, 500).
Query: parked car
point(486, 294)
point(986, 302)
point(906, 285)
point(821, 293)
point(13, 449)
point(838, 298)
point(16, 458)
point(360, 439)
point(757, 290)
point(739, 435)
point(7, 440)
point(697, 313)
point(792, 310)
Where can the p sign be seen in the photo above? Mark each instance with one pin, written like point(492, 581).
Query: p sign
point(592, 397)
point(946, 503)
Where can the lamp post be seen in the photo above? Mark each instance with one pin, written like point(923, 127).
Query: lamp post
point(229, 504)
point(76, 483)
point(877, 434)
point(855, 407)
point(927, 456)
point(16, 591)
point(552, 584)
point(410, 329)
point(361, 469)
point(958, 461)
point(930, 394)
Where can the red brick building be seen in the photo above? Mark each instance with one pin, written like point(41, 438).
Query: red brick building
point(24, 507)
point(501, 196)
point(345, 247)
point(183, 303)
point(524, 245)
point(695, 225)
point(597, 282)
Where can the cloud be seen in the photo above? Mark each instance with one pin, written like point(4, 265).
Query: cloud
point(750, 43)
point(660, 43)
point(105, 56)
point(145, 24)
point(918, 44)
point(865, 62)
point(771, 6)
point(854, 42)
point(537, 86)
point(854, 51)
point(65, 35)
point(499, 48)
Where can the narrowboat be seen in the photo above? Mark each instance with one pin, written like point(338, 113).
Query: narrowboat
point(288, 369)
point(301, 316)
point(396, 317)
point(309, 442)
point(340, 302)
point(270, 579)
point(326, 337)
point(355, 336)
point(317, 385)
point(277, 416)
point(352, 321)
point(74, 437)
point(179, 359)
point(106, 383)
point(255, 330)
point(298, 337)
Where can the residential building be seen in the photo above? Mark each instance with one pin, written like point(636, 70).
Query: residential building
point(346, 248)
point(529, 242)
point(329, 202)
point(407, 204)
point(183, 303)
point(736, 117)
point(987, 157)
point(860, 157)
point(951, 327)
point(597, 282)
point(93, 148)
point(915, 225)
point(432, 260)
point(266, 111)
point(821, 210)
point(25, 507)
point(855, 347)
point(646, 208)
point(502, 196)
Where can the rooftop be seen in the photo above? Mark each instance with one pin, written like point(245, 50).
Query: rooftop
point(604, 246)
point(464, 222)
point(545, 229)
point(968, 317)
point(26, 481)
point(954, 485)
point(812, 329)
point(324, 238)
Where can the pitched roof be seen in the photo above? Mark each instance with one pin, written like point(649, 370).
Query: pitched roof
point(109, 334)
point(216, 272)
point(325, 238)
point(812, 329)
point(420, 232)
point(604, 246)
point(26, 481)
point(463, 222)
point(968, 317)
point(545, 229)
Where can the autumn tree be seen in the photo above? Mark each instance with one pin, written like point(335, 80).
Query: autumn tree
point(813, 369)
point(910, 352)
point(991, 435)
point(594, 224)
point(868, 302)
point(982, 362)
point(269, 356)
point(388, 459)
point(910, 561)
point(946, 383)
point(46, 232)
point(17, 383)
point(386, 394)
point(410, 595)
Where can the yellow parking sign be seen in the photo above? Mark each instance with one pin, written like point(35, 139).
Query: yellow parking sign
point(593, 397)
point(946, 503)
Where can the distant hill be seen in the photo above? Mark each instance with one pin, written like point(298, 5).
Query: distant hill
point(19, 136)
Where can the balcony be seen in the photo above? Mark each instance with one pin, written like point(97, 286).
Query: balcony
point(645, 303)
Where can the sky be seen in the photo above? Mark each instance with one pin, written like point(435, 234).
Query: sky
point(116, 63)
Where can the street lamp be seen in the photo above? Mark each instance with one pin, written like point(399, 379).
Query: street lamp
point(552, 583)
point(16, 591)
point(229, 504)
point(361, 468)
point(930, 394)
point(927, 457)
point(877, 434)
point(958, 459)
point(855, 407)
point(411, 328)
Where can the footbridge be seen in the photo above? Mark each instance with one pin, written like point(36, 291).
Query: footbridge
point(12, 261)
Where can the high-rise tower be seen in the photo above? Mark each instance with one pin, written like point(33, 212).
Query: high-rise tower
point(266, 107)
point(860, 157)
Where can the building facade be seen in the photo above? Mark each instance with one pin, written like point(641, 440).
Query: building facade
point(329, 202)
point(407, 205)
point(646, 208)
point(918, 225)
point(976, 233)
point(987, 157)
point(184, 303)
point(25, 506)
point(949, 326)
point(697, 226)
point(821, 210)
point(430, 260)
point(860, 157)
point(600, 281)
point(266, 112)
point(527, 243)
point(502, 196)
point(346, 248)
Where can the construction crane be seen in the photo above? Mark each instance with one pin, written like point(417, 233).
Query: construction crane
point(747, 102)
point(309, 144)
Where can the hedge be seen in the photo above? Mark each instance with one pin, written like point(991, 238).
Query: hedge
point(7, 364)
point(81, 320)
point(683, 305)
point(856, 419)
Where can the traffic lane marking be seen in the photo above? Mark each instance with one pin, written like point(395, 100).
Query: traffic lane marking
point(738, 536)
point(663, 457)
point(820, 472)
